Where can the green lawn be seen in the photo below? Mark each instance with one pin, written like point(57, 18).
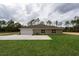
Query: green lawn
point(59, 45)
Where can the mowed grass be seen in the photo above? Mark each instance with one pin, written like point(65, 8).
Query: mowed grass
point(60, 45)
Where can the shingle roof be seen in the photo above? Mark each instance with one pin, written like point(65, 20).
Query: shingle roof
point(43, 26)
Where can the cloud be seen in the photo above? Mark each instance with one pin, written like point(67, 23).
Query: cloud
point(66, 7)
point(7, 12)
point(28, 9)
point(45, 11)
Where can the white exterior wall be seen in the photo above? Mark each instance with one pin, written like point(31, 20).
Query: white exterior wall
point(26, 31)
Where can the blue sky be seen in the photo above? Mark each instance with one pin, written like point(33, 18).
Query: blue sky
point(24, 12)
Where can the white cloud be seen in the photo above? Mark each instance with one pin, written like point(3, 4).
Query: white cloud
point(23, 12)
point(11, 2)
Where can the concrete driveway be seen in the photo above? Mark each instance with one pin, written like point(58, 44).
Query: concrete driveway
point(25, 37)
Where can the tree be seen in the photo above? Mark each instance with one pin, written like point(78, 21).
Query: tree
point(76, 21)
point(18, 25)
point(10, 22)
point(56, 23)
point(30, 23)
point(49, 22)
point(2, 22)
point(67, 23)
point(73, 22)
point(37, 21)
point(9, 26)
point(2, 25)
point(33, 22)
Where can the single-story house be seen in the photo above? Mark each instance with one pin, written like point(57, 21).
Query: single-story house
point(40, 29)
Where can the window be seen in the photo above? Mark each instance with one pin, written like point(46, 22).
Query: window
point(43, 31)
point(53, 31)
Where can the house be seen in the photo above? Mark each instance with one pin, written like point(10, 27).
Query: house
point(40, 29)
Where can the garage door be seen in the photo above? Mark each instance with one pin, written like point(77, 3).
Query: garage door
point(26, 31)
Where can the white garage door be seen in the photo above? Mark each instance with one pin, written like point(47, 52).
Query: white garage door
point(26, 31)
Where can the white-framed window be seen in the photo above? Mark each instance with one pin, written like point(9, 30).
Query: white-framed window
point(53, 31)
point(43, 31)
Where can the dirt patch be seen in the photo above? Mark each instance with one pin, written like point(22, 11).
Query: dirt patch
point(71, 33)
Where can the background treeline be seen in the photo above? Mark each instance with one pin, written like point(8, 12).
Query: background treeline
point(9, 26)
point(72, 25)
point(68, 25)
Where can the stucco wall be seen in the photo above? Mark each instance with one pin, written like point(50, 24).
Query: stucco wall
point(29, 31)
point(59, 31)
point(47, 31)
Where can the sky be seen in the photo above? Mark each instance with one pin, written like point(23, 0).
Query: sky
point(21, 11)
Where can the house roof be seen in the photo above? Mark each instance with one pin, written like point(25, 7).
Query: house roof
point(43, 26)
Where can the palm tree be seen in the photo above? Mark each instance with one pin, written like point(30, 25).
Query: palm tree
point(30, 23)
point(37, 21)
point(33, 22)
point(49, 22)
